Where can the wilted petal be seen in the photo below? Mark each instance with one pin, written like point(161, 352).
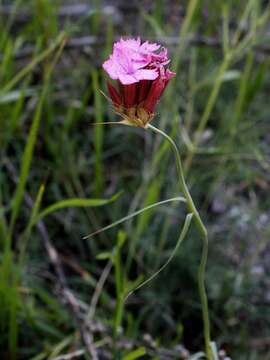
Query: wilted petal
point(169, 75)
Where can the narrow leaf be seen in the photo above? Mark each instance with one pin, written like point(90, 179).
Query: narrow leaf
point(136, 213)
point(75, 202)
point(180, 239)
point(136, 354)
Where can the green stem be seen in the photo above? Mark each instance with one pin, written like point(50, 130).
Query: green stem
point(203, 232)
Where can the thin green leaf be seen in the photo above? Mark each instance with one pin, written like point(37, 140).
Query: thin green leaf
point(75, 202)
point(180, 239)
point(135, 354)
point(136, 213)
point(104, 256)
point(31, 223)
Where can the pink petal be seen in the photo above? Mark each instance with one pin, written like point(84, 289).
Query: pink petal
point(111, 68)
point(149, 47)
point(146, 74)
point(126, 79)
point(124, 60)
point(133, 61)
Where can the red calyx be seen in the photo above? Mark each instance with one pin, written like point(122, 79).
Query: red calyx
point(114, 95)
point(154, 94)
point(129, 93)
point(143, 88)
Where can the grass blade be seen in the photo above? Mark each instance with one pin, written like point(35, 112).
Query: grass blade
point(29, 148)
point(75, 202)
point(136, 354)
point(26, 235)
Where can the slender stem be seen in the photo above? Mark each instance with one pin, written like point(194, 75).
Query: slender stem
point(203, 232)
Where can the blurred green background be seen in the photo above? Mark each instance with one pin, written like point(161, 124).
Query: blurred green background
point(62, 178)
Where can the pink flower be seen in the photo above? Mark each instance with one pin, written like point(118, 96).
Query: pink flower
point(142, 77)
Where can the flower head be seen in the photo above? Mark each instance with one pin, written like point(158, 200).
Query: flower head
point(140, 69)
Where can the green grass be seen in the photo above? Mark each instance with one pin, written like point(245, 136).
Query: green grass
point(216, 110)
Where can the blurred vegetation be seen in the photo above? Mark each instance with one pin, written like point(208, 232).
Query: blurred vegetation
point(62, 178)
